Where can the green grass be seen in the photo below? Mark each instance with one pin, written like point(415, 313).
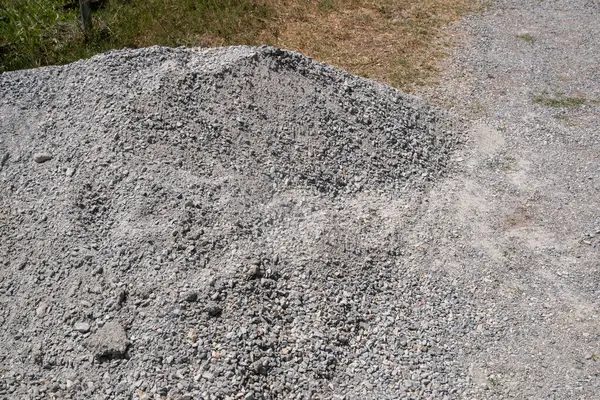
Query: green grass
point(34, 33)
point(31, 32)
point(399, 42)
point(559, 102)
point(527, 37)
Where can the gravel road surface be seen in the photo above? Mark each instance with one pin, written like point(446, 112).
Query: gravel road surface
point(521, 220)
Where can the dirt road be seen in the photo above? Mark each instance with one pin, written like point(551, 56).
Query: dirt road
point(520, 219)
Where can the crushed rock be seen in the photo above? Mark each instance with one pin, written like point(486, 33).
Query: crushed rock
point(271, 191)
point(109, 342)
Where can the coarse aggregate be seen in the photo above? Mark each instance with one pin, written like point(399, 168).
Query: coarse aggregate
point(222, 224)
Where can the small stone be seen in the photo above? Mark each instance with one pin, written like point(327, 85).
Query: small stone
point(163, 391)
point(42, 157)
point(70, 171)
point(190, 296)
point(261, 367)
point(110, 342)
point(3, 160)
point(37, 354)
point(121, 296)
point(22, 263)
point(254, 272)
point(96, 289)
point(213, 309)
point(344, 340)
point(41, 309)
point(82, 327)
point(193, 335)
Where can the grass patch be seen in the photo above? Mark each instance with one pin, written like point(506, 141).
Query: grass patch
point(500, 163)
point(34, 33)
point(30, 32)
point(559, 101)
point(527, 38)
point(566, 119)
point(395, 41)
point(478, 109)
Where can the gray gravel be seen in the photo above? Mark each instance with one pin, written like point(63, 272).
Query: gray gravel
point(219, 224)
point(245, 223)
point(519, 219)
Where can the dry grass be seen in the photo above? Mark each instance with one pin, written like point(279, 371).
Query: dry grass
point(395, 41)
point(398, 42)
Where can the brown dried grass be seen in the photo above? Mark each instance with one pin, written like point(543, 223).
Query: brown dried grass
point(399, 42)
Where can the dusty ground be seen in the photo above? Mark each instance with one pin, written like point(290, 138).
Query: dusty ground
point(521, 219)
point(246, 223)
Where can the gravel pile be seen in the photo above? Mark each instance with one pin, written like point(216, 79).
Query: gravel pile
point(223, 223)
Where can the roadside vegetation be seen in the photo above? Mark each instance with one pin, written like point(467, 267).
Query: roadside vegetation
point(527, 38)
point(394, 41)
point(560, 100)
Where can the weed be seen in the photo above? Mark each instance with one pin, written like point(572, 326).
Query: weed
point(559, 101)
point(566, 119)
point(395, 41)
point(527, 38)
point(383, 10)
point(327, 5)
point(366, 18)
point(508, 252)
point(518, 291)
point(478, 109)
point(500, 163)
point(484, 5)
point(494, 380)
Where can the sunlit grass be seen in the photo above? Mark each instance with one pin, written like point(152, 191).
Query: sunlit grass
point(399, 42)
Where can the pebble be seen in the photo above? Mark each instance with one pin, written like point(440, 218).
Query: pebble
point(213, 309)
point(109, 342)
point(82, 327)
point(190, 296)
point(42, 157)
point(41, 309)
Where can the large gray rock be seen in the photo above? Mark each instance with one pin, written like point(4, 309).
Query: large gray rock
point(109, 342)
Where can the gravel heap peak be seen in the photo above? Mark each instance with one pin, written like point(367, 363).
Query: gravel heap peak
point(223, 223)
